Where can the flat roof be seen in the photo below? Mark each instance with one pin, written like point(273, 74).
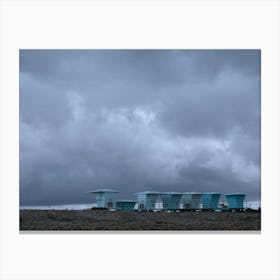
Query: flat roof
point(211, 193)
point(235, 194)
point(156, 192)
point(192, 193)
point(103, 190)
point(126, 200)
point(148, 192)
point(171, 193)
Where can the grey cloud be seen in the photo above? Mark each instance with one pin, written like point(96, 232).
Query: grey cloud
point(204, 179)
point(137, 119)
point(215, 108)
point(42, 104)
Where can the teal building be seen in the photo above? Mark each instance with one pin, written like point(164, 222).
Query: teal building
point(210, 200)
point(235, 200)
point(125, 205)
point(191, 200)
point(148, 200)
point(105, 198)
point(171, 200)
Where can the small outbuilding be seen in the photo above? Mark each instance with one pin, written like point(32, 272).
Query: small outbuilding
point(235, 200)
point(210, 200)
point(125, 205)
point(105, 198)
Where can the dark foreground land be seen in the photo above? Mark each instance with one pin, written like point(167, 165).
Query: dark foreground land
point(108, 220)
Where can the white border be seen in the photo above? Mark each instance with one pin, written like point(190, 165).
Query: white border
point(155, 24)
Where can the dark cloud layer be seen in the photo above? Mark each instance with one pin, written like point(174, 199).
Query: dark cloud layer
point(182, 120)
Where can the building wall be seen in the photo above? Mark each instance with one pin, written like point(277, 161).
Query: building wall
point(141, 200)
point(125, 205)
point(186, 201)
point(235, 201)
point(106, 200)
point(166, 201)
point(151, 201)
point(196, 201)
point(147, 201)
point(100, 200)
point(191, 201)
point(175, 201)
point(210, 201)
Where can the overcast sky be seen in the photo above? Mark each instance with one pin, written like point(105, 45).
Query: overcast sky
point(135, 120)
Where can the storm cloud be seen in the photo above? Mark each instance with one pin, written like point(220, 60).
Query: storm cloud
point(134, 120)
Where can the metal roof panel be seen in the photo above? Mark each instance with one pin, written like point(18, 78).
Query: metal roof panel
point(103, 190)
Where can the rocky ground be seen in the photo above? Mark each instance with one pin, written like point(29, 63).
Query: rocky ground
point(117, 220)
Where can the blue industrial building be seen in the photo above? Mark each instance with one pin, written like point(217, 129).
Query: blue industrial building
point(157, 201)
point(191, 200)
point(148, 200)
point(171, 200)
point(125, 205)
point(235, 200)
point(210, 200)
point(105, 198)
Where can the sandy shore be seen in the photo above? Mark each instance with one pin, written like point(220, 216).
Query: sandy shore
point(107, 220)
